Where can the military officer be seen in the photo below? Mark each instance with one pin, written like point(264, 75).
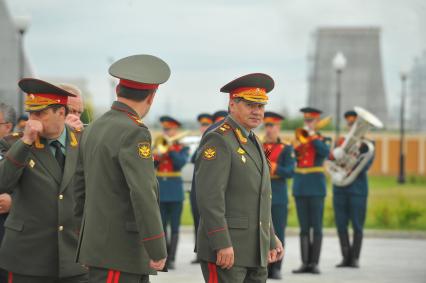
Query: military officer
point(7, 120)
point(280, 155)
point(309, 189)
point(236, 239)
point(122, 237)
point(75, 107)
point(205, 120)
point(169, 165)
point(37, 166)
point(350, 205)
point(20, 123)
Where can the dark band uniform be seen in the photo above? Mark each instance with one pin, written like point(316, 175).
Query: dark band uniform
point(117, 187)
point(169, 166)
point(204, 119)
point(309, 190)
point(350, 205)
point(41, 232)
point(282, 161)
point(234, 193)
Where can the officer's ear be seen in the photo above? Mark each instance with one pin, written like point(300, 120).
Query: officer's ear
point(150, 98)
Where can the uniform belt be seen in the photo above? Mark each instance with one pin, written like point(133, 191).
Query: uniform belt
point(308, 170)
point(169, 174)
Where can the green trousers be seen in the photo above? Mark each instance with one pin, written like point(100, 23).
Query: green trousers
point(237, 274)
point(20, 278)
point(101, 275)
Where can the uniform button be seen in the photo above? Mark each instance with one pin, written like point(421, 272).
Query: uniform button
point(270, 196)
point(61, 197)
point(61, 228)
point(260, 223)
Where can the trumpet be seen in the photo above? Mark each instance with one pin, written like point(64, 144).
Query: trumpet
point(302, 135)
point(162, 143)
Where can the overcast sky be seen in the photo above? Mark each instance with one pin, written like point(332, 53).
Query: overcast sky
point(208, 43)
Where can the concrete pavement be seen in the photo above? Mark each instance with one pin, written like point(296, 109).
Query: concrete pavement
point(383, 260)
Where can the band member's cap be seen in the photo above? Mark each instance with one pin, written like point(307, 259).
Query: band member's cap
point(168, 122)
point(205, 119)
point(219, 115)
point(272, 118)
point(310, 112)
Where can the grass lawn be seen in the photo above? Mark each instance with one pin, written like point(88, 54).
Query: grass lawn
point(390, 205)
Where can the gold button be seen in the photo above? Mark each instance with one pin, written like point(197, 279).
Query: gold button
point(61, 228)
point(61, 197)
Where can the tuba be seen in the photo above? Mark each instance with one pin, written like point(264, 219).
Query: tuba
point(162, 142)
point(349, 159)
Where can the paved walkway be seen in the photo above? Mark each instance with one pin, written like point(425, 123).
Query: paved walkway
point(383, 260)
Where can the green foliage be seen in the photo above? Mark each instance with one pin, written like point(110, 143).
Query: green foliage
point(87, 115)
point(390, 206)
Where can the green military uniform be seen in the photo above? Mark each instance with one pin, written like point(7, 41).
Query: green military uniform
point(234, 200)
point(116, 187)
point(41, 233)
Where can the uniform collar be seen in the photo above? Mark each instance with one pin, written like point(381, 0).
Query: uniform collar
point(120, 106)
point(244, 130)
point(62, 139)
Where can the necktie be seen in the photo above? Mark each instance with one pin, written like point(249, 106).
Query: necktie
point(252, 138)
point(59, 155)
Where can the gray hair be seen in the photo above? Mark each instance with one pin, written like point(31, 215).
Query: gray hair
point(9, 114)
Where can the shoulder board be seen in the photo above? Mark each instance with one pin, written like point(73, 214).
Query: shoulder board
point(223, 128)
point(12, 138)
point(136, 120)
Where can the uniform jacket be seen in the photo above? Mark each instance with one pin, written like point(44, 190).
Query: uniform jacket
point(117, 187)
point(234, 197)
point(41, 230)
point(309, 178)
point(282, 162)
point(169, 167)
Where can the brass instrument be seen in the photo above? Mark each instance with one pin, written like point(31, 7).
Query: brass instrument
point(302, 135)
point(349, 159)
point(162, 143)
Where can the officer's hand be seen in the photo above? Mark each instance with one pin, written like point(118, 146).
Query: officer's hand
point(157, 265)
point(5, 203)
point(272, 256)
point(74, 122)
point(279, 249)
point(32, 129)
point(225, 258)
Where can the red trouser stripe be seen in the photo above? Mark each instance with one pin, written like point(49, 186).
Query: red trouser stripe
point(116, 276)
point(10, 278)
point(110, 276)
point(212, 273)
